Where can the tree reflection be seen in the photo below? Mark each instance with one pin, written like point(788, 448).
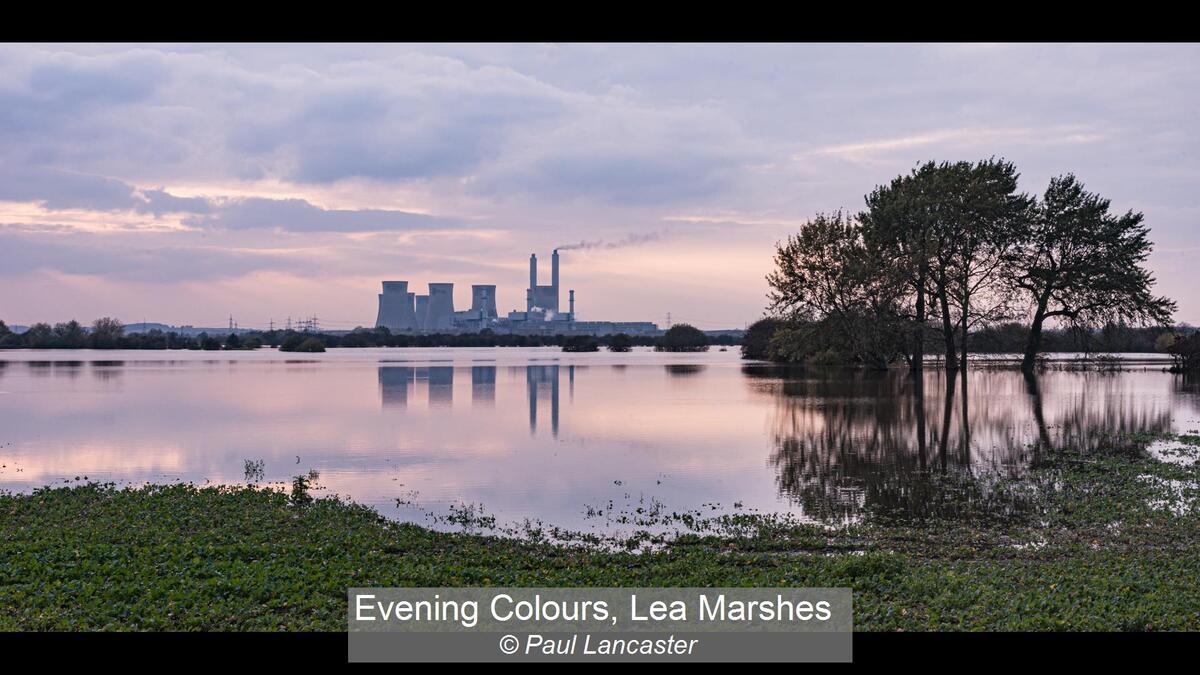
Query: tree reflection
point(848, 443)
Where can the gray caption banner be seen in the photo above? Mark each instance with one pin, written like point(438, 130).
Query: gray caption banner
point(610, 624)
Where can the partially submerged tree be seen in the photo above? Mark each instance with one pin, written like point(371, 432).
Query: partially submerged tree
point(581, 343)
point(944, 229)
point(1078, 263)
point(900, 221)
point(756, 343)
point(986, 214)
point(1185, 352)
point(682, 337)
point(620, 343)
point(827, 273)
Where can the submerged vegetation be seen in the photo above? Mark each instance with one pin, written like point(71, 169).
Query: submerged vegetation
point(1103, 539)
point(682, 337)
point(297, 342)
point(581, 343)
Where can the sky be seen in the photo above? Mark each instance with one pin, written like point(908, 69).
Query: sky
point(187, 183)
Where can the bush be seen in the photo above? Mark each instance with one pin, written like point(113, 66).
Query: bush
point(1185, 351)
point(682, 338)
point(804, 342)
point(756, 344)
point(1165, 341)
point(311, 344)
point(106, 332)
point(581, 343)
point(620, 343)
point(291, 343)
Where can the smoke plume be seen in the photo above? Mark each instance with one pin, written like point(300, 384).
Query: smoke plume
point(627, 240)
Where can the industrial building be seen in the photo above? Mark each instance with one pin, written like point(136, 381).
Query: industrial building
point(401, 311)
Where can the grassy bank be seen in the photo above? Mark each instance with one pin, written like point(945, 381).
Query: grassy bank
point(1112, 542)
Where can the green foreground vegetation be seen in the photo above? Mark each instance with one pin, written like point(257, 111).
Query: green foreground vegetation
point(1110, 541)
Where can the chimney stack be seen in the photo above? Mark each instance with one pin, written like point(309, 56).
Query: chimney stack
point(554, 273)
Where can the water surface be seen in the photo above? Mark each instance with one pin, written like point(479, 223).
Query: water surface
point(591, 442)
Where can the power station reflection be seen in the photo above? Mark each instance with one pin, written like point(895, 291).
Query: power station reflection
point(483, 386)
point(394, 384)
point(541, 382)
point(397, 384)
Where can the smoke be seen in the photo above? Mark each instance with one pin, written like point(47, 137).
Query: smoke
point(627, 240)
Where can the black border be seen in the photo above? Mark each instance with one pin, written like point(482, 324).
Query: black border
point(872, 650)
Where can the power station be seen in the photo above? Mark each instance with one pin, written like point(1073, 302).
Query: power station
point(401, 311)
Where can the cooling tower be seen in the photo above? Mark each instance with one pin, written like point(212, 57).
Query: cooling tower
point(421, 310)
point(440, 318)
point(395, 311)
point(483, 300)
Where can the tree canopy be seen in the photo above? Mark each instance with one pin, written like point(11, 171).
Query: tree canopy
point(951, 248)
point(682, 337)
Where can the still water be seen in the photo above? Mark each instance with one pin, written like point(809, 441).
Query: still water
point(590, 442)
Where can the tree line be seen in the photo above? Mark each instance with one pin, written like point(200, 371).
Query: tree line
point(951, 249)
point(108, 333)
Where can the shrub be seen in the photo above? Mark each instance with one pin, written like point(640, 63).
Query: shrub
point(756, 344)
point(620, 343)
point(312, 344)
point(1185, 351)
point(300, 495)
point(682, 338)
point(581, 343)
point(297, 342)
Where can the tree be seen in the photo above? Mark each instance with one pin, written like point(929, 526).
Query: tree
point(581, 343)
point(1185, 352)
point(829, 273)
point(945, 228)
point(756, 343)
point(620, 343)
point(899, 220)
point(682, 338)
point(106, 332)
point(291, 342)
point(311, 344)
point(70, 334)
point(39, 336)
point(1078, 263)
point(987, 215)
point(297, 342)
point(9, 339)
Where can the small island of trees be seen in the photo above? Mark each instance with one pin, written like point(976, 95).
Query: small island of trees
point(682, 337)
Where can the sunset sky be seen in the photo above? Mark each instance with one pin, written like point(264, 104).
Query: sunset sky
point(183, 184)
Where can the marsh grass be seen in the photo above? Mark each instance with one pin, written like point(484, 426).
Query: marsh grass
point(1106, 548)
